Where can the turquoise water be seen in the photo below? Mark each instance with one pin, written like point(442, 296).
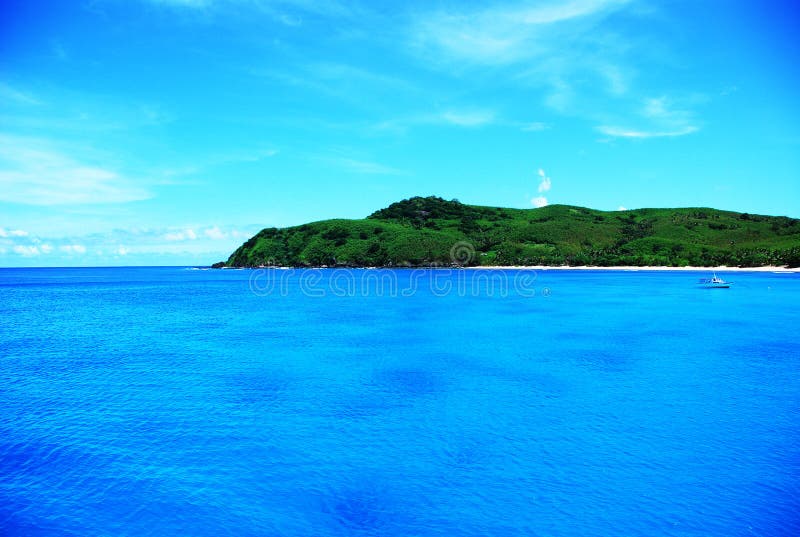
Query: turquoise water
point(167, 401)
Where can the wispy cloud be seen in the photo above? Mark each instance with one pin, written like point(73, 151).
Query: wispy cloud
point(536, 126)
point(468, 118)
point(502, 35)
point(620, 132)
point(33, 172)
point(661, 109)
point(658, 119)
point(7, 93)
point(12, 233)
point(570, 53)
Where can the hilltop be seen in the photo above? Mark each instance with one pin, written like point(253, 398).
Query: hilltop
point(433, 231)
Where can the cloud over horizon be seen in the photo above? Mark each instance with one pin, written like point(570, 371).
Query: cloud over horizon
point(201, 241)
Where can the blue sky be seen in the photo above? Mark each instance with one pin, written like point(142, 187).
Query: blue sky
point(168, 131)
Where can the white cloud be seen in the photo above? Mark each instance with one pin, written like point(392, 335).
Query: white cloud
point(661, 118)
point(560, 93)
point(620, 132)
point(7, 93)
point(539, 201)
point(656, 108)
point(544, 183)
point(215, 233)
point(536, 126)
point(622, 208)
point(184, 235)
point(544, 186)
point(122, 251)
point(502, 35)
point(33, 173)
point(569, 51)
point(46, 248)
point(27, 251)
point(457, 118)
point(472, 118)
point(615, 79)
point(73, 248)
point(12, 233)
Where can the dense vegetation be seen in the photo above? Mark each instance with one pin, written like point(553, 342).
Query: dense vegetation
point(433, 231)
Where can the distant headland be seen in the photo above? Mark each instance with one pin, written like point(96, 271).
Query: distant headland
point(431, 231)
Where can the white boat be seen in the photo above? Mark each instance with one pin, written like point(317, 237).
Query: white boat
point(715, 282)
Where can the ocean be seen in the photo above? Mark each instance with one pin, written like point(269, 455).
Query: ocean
point(177, 401)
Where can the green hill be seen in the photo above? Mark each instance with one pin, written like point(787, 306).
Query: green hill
point(433, 231)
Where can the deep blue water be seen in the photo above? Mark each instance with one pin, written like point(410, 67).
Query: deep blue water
point(167, 401)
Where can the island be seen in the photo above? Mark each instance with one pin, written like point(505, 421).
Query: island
point(431, 231)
